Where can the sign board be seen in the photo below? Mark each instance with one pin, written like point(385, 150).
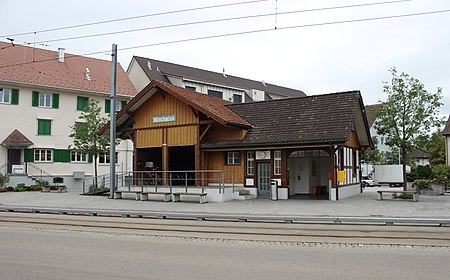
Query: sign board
point(167, 118)
point(18, 169)
point(341, 176)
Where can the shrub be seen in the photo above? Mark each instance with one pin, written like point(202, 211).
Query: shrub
point(10, 189)
point(36, 188)
point(3, 180)
point(20, 187)
point(441, 174)
point(422, 185)
point(3, 189)
point(42, 183)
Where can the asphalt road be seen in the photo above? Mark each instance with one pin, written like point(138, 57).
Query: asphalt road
point(57, 251)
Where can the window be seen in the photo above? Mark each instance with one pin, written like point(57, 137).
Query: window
point(78, 157)
point(277, 162)
point(233, 158)
point(82, 103)
point(44, 127)
point(215, 93)
point(105, 158)
point(237, 98)
point(191, 88)
point(5, 95)
point(119, 105)
point(250, 163)
point(45, 100)
point(42, 155)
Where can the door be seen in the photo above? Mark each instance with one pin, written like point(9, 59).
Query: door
point(14, 156)
point(263, 180)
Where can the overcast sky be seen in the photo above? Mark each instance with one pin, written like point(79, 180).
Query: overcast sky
point(315, 58)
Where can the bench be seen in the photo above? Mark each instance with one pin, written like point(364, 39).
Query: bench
point(167, 195)
point(202, 196)
point(118, 193)
point(414, 193)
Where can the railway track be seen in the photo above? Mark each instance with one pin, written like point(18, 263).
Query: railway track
point(273, 231)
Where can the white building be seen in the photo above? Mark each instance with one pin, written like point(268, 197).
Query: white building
point(142, 71)
point(42, 94)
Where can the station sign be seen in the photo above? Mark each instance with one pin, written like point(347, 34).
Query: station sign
point(162, 119)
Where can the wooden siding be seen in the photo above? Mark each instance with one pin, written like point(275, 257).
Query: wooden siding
point(216, 161)
point(163, 104)
point(219, 132)
point(182, 136)
point(352, 141)
point(181, 132)
point(149, 138)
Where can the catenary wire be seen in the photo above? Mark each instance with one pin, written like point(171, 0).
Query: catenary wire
point(243, 33)
point(216, 20)
point(134, 17)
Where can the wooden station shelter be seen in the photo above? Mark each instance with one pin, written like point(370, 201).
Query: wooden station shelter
point(302, 143)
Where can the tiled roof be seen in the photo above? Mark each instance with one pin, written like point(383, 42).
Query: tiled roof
point(418, 153)
point(160, 69)
point(211, 106)
point(48, 71)
point(371, 113)
point(306, 120)
point(16, 139)
point(446, 130)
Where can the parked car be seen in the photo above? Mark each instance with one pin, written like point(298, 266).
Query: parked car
point(369, 182)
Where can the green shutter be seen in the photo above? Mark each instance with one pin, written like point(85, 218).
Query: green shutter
point(82, 103)
point(29, 155)
point(55, 101)
point(90, 158)
point(107, 105)
point(15, 96)
point(44, 127)
point(124, 103)
point(35, 99)
point(61, 155)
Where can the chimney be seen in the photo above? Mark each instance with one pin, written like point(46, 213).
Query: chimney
point(61, 54)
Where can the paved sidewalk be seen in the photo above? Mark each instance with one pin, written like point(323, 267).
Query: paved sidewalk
point(359, 205)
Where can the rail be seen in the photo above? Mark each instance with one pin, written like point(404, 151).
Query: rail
point(42, 174)
point(388, 221)
point(163, 179)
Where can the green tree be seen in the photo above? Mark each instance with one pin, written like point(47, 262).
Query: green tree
point(436, 148)
point(85, 134)
point(409, 112)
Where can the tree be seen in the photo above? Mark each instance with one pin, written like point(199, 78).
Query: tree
point(85, 134)
point(409, 113)
point(436, 148)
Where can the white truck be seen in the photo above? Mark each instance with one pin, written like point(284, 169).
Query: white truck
point(391, 175)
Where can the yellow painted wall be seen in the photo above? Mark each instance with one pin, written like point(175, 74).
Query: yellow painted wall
point(219, 132)
point(353, 141)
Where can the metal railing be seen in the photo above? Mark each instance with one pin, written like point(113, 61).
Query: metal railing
point(35, 171)
point(186, 179)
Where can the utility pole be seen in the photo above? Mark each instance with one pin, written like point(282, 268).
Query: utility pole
point(112, 126)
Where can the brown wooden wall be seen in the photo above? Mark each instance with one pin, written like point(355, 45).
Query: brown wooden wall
point(219, 132)
point(181, 132)
point(216, 161)
point(352, 141)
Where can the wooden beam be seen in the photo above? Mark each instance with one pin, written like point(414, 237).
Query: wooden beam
point(204, 133)
point(207, 122)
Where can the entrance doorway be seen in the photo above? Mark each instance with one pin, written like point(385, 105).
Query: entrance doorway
point(14, 158)
point(263, 179)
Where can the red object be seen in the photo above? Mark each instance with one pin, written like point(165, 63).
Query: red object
point(330, 176)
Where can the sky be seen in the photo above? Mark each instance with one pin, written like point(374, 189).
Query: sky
point(314, 57)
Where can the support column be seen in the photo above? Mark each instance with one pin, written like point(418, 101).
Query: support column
point(165, 159)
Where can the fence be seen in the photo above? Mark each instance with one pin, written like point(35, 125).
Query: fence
point(200, 179)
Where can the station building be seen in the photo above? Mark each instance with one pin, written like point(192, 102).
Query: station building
point(302, 143)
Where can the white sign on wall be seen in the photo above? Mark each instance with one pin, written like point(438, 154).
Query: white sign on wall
point(18, 169)
point(167, 118)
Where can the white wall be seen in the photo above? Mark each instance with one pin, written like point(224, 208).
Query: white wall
point(24, 118)
point(137, 76)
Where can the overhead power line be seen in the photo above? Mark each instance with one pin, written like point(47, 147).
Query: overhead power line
point(216, 20)
point(134, 17)
point(244, 33)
